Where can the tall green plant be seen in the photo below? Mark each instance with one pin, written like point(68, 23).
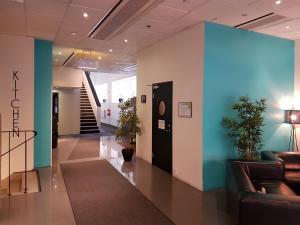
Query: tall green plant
point(128, 123)
point(246, 130)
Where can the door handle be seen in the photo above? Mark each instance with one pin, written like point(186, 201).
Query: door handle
point(169, 128)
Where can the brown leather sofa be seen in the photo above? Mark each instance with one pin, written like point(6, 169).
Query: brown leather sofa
point(257, 194)
point(291, 164)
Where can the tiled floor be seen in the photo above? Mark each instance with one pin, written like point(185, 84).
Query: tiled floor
point(183, 204)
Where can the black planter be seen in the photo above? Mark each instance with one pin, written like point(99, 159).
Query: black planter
point(127, 154)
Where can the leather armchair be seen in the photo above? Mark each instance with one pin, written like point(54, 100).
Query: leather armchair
point(248, 206)
point(291, 164)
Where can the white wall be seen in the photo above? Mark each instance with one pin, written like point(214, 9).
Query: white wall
point(69, 111)
point(102, 78)
point(297, 81)
point(178, 59)
point(66, 77)
point(67, 82)
point(297, 75)
point(17, 53)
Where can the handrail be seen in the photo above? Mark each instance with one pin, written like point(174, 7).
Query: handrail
point(10, 150)
point(24, 131)
point(87, 74)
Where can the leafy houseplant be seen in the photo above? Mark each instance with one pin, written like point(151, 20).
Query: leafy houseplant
point(128, 127)
point(246, 130)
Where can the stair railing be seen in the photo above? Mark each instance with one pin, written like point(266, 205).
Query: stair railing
point(14, 148)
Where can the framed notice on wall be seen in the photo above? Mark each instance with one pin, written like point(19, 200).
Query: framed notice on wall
point(185, 109)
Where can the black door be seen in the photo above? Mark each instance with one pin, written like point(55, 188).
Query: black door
point(54, 119)
point(162, 125)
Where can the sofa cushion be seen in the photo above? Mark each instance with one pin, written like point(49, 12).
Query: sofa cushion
point(274, 187)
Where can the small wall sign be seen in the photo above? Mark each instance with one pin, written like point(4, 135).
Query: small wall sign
point(185, 109)
point(143, 98)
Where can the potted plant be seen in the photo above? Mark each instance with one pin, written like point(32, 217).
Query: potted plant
point(246, 130)
point(128, 127)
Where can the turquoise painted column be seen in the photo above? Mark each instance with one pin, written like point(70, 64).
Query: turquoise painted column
point(42, 102)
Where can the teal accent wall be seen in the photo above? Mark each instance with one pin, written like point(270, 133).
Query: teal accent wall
point(42, 102)
point(239, 62)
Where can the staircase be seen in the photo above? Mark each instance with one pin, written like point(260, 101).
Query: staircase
point(88, 123)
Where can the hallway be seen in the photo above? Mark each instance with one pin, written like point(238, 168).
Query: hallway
point(181, 203)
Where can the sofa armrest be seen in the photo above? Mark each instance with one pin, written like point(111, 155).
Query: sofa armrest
point(264, 170)
point(291, 160)
point(262, 209)
point(269, 155)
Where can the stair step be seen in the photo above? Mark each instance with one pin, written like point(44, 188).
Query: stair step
point(87, 117)
point(86, 108)
point(86, 113)
point(89, 131)
point(93, 124)
point(88, 121)
point(89, 128)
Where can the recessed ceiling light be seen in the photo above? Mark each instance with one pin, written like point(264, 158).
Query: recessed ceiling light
point(278, 2)
point(287, 27)
point(99, 57)
point(126, 40)
point(73, 33)
point(85, 15)
point(110, 50)
point(59, 53)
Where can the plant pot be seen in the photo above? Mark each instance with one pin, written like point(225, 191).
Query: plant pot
point(127, 154)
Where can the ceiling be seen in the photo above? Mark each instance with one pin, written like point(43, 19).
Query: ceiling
point(62, 22)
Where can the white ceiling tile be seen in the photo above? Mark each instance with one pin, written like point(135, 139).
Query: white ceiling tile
point(12, 18)
point(48, 7)
point(290, 11)
point(179, 25)
point(283, 27)
point(184, 5)
point(96, 4)
point(270, 4)
point(156, 25)
point(242, 2)
point(165, 14)
point(41, 35)
point(241, 15)
point(75, 22)
point(213, 9)
point(66, 39)
point(43, 23)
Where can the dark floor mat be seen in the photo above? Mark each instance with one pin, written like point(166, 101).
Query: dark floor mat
point(99, 195)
